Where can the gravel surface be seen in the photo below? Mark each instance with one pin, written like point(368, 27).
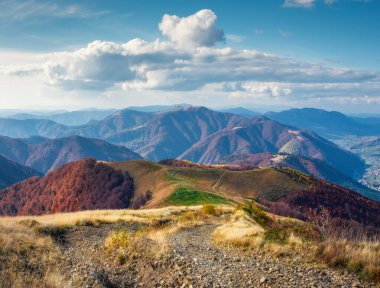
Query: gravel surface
point(193, 261)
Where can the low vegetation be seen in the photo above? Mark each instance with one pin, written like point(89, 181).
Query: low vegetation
point(321, 239)
point(189, 197)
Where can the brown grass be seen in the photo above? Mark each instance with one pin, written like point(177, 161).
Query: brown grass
point(362, 258)
point(30, 253)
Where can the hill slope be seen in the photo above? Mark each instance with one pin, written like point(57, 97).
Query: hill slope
point(87, 184)
point(315, 167)
point(83, 185)
point(264, 135)
point(173, 185)
point(12, 172)
point(46, 154)
point(57, 152)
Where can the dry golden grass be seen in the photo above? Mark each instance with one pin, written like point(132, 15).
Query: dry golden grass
point(26, 257)
point(244, 231)
point(105, 216)
point(30, 254)
point(362, 258)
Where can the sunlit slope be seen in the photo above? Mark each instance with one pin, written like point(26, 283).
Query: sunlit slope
point(163, 181)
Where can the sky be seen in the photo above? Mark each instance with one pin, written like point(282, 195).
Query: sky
point(119, 53)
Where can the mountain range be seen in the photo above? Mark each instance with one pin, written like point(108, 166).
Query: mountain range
point(72, 118)
point(265, 135)
point(171, 134)
point(197, 134)
point(45, 154)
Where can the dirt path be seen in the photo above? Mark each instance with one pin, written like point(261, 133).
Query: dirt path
point(218, 182)
point(194, 261)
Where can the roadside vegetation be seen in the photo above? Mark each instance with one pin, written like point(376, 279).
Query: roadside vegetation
point(320, 239)
point(31, 247)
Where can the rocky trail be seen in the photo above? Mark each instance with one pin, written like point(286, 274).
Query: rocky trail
point(193, 261)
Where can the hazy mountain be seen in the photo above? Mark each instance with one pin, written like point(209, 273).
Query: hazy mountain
point(118, 122)
point(327, 124)
point(53, 153)
point(31, 127)
point(264, 135)
point(83, 185)
point(73, 118)
point(12, 172)
point(241, 111)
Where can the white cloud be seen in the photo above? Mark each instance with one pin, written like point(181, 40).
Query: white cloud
point(299, 3)
point(160, 65)
point(192, 31)
point(170, 69)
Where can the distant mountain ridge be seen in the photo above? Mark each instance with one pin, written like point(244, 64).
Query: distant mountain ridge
point(72, 118)
point(330, 124)
point(12, 172)
point(241, 111)
point(46, 154)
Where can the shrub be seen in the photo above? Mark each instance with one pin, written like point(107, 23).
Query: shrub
point(58, 233)
point(258, 214)
point(277, 235)
point(209, 209)
point(141, 200)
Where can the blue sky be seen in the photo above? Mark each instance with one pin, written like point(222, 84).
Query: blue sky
point(41, 44)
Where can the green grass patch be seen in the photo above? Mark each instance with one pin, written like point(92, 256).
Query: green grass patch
point(189, 197)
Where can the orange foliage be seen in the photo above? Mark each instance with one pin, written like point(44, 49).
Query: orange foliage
point(81, 185)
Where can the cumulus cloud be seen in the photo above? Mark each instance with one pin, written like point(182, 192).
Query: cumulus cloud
point(195, 30)
point(172, 68)
point(141, 65)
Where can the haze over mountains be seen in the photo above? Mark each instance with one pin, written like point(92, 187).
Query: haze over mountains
point(72, 118)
